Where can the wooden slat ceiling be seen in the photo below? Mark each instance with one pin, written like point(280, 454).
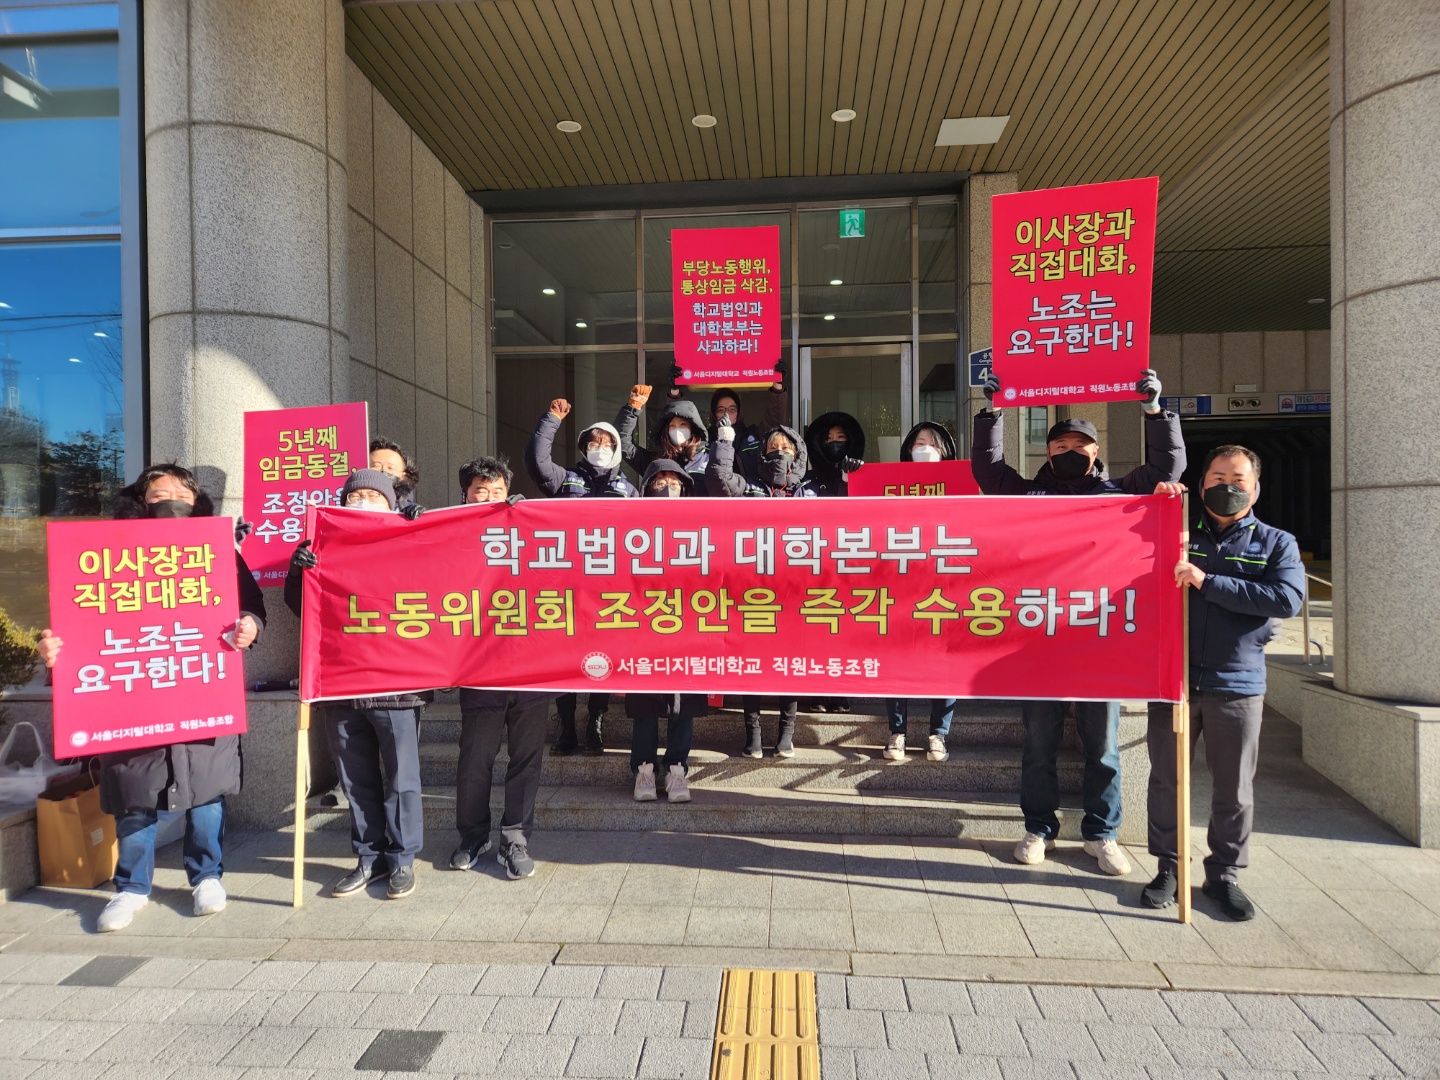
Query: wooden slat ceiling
point(1226, 100)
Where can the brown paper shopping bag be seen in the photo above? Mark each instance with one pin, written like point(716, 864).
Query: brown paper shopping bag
point(76, 838)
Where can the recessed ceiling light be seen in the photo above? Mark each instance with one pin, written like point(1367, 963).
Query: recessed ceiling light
point(843, 116)
point(832, 246)
point(829, 318)
point(548, 291)
point(836, 281)
point(74, 359)
point(971, 130)
point(569, 127)
point(505, 245)
point(99, 334)
point(704, 120)
point(1316, 300)
point(581, 324)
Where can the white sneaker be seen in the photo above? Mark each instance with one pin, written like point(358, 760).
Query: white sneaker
point(1031, 849)
point(1110, 856)
point(677, 788)
point(120, 910)
point(937, 751)
point(209, 897)
point(895, 748)
point(645, 783)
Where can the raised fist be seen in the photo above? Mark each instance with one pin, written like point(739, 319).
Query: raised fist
point(724, 430)
point(559, 408)
point(639, 395)
point(990, 387)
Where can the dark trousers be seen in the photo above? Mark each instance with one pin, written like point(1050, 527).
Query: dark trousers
point(480, 734)
point(679, 712)
point(377, 754)
point(1231, 726)
point(1098, 725)
point(566, 704)
point(942, 711)
point(751, 706)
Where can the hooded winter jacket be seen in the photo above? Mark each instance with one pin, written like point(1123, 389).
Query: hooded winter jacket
point(1164, 452)
point(639, 458)
point(188, 774)
point(826, 477)
point(747, 436)
point(724, 480)
point(665, 465)
point(582, 480)
point(942, 436)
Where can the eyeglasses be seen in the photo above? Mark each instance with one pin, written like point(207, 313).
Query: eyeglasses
point(366, 498)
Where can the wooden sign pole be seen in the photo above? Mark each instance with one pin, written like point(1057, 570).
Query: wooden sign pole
point(1180, 723)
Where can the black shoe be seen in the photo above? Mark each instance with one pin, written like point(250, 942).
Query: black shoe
point(1160, 893)
point(814, 706)
point(753, 745)
point(516, 861)
point(357, 879)
point(1233, 902)
point(840, 704)
point(402, 883)
point(567, 743)
point(594, 743)
point(467, 855)
point(785, 744)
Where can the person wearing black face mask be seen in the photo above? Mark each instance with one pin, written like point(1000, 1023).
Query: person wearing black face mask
point(1073, 467)
point(1244, 575)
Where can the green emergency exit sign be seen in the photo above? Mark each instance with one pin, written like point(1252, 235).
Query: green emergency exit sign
point(852, 222)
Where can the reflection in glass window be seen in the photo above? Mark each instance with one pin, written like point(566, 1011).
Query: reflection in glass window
point(597, 385)
point(855, 287)
point(937, 370)
point(938, 268)
point(565, 282)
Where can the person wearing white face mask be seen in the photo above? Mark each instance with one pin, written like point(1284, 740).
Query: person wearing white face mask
point(679, 435)
point(928, 443)
point(596, 475)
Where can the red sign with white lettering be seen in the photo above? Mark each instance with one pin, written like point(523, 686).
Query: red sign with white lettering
point(727, 305)
point(1070, 311)
point(894, 478)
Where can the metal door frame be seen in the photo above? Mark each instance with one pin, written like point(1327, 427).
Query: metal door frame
point(909, 392)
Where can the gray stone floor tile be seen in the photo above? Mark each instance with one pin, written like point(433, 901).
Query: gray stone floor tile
point(795, 928)
point(135, 1043)
point(1341, 1015)
point(645, 1018)
point(1264, 1012)
point(393, 977)
point(136, 1070)
point(924, 1032)
point(451, 979)
point(103, 971)
point(1002, 999)
point(162, 971)
point(1137, 1043)
point(592, 1016)
point(71, 1040)
point(47, 970)
point(337, 1048)
point(275, 975)
point(955, 1067)
point(1405, 1017)
point(535, 1055)
point(830, 990)
point(694, 984)
point(218, 974)
point(1067, 1039)
point(458, 1012)
point(339, 975)
point(471, 1052)
point(1275, 1049)
point(90, 1002)
point(573, 981)
point(686, 1059)
point(621, 981)
point(271, 1007)
point(34, 1002)
point(500, 980)
point(1109, 1070)
point(195, 1046)
point(891, 1065)
point(605, 1056)
point(1415, 1055)
point(1068, 1003)
point(876, 993)
point(1204, 1010)
point(273, 1046)
point(330, 1008)
point(1170, 1072)
point(395, 1011)
point(1030, 1069)
point(851, 1027)
point(1348, 1053)
point(1128, 1006)
point(938, 995)
point(522, 1015)
point(700, 1019)
point(1205, 1047)
point(989, 1035)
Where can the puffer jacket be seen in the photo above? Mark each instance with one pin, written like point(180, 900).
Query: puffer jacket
point(724, 480)
point(639, 458)
point(826, 477)
point(1165, 461)
point(942, 436)
point(582, 480)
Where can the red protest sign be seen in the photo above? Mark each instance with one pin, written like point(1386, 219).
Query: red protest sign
point(979, 597)
point(142, 607)
point(294, 457)
point(911, 478)
point(727, 304)
point(1070, 307)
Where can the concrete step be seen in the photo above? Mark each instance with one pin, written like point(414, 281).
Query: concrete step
point(751, 811)
point(855, 768)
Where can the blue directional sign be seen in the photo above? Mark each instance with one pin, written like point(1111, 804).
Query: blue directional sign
point(979, 367)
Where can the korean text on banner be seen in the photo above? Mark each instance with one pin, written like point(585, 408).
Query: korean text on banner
point(727, 304)
point(142, 607)
point(912, 478)
point(984, 597)
point(294, 457)
point(1070, 311)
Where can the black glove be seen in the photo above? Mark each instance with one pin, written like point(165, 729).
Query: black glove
point(782, 368)
point(1149, 386)
point(243, 529)
point(411, 511)
point(990, 387)
point(516, 498)
point(675, 372)
point(850, 464)
point(302, 558)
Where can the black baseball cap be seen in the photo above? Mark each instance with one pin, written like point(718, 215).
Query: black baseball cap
point(1065, 427)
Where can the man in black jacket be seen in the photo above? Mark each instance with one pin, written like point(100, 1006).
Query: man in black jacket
point(1073, 467)
point(386, 819)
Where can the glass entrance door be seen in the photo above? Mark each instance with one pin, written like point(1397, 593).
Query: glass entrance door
point(873, 383)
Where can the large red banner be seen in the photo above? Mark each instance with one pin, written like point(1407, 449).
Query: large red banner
point(1070, 310)
point(911, 478)
point(727, 304)
point(143, 608)
point(295, 457)
point(1068, 598)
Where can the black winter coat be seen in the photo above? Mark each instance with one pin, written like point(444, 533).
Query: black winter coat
point(1164, 453)
point(182, 775)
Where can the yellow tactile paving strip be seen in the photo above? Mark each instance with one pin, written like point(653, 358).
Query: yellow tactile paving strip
point(765, 1027)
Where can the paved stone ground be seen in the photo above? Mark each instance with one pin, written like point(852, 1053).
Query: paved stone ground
point(65, 1016)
